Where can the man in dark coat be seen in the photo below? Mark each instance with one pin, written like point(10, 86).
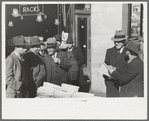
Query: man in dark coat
point(131, 77)
point(35, 63)
point(57, 64)
point(43, 50)
point(79, 57)
point(73, 71)
point(16, 81)
point(115, 57)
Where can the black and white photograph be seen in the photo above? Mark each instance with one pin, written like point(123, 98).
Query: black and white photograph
point(74, 60)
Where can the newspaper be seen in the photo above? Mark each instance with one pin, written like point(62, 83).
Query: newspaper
point(104, 69)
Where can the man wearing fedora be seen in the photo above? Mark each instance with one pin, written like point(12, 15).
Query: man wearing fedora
point(35, 64)
point(115, 57)
point(15, 72)
point(131, 77)
point(73, 71)
point(58, 39)
point(76, 52)
point(43, 50)
point(57, 64)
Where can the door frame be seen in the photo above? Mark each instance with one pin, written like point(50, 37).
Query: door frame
point(88, 46)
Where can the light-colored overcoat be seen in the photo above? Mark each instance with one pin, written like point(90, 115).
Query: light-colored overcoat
point(13, 75)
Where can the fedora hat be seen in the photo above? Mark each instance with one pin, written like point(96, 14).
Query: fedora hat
point(51, 42)
point(69, 40)
point(136, 38)
point(134, 46)
point(58, 37)
point(119, 36)
point(18, 41)
point(34, 41)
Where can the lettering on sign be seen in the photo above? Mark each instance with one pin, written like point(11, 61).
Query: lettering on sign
point(28, 9)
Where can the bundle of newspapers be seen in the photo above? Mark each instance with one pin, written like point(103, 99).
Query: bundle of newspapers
point(49, 90)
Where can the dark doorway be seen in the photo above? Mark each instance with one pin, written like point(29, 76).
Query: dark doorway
point(82, 37)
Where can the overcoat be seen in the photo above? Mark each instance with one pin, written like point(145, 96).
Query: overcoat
point(74, 69)
point(117, 60)
point(36, 67)
point(17, 81)
point(78, 55)
point(131, 79)
point(60, 74)
point(13, 75)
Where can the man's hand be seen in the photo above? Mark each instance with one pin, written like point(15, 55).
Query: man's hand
point(110, 70)
point(57, 60)
point(112, 67)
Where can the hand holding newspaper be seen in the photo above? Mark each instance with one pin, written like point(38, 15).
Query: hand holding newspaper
point(104, 69)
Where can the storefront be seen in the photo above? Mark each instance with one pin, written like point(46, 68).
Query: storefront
point(90, 25)
point(48, 20)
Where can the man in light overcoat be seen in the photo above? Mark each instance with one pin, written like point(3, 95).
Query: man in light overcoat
point(15, 73)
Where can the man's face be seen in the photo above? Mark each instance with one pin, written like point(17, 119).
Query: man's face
point(21, 50)
point(35, 49)
point(119, 44)
point(69, 45)
point(51, 51)
point(42, 47)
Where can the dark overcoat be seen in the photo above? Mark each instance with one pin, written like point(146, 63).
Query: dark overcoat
point(60, 74)
point(74, 67)
point(78, 55)
point(36, 67)
point(131, 80)
point(17, 81)
point(117, 60)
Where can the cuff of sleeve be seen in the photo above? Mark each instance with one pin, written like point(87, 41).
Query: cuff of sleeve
point(18, 85)
point(114, 74)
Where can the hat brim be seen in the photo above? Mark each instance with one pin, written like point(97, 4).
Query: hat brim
point(13, 45)
point(63, 47)
point(118, 39)
point(51, 45)
point(59, 40)
point(31, 45)
point(134, 38)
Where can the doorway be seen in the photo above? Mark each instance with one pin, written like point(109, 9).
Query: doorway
point(83, 35)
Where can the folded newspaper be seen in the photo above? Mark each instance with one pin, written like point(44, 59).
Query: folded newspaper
point(49, 90)
point(104, 70)
point(82, 94)
point(69, 88)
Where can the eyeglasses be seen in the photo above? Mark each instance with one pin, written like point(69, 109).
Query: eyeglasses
point(117, 42)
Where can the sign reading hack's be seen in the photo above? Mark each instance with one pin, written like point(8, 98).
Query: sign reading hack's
point(30, 9)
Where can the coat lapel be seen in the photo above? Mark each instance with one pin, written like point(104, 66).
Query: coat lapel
point(121, 56)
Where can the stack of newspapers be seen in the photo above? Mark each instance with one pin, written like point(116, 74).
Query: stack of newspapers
point(49, 90)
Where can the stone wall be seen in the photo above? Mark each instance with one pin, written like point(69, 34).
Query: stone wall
point(105, 19)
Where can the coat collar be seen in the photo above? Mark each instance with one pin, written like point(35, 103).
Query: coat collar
point(121, 56)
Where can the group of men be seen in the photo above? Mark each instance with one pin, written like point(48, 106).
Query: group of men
point(125, 67)
point(34, 62)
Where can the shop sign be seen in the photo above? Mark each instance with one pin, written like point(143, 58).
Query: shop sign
point(29, 9)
